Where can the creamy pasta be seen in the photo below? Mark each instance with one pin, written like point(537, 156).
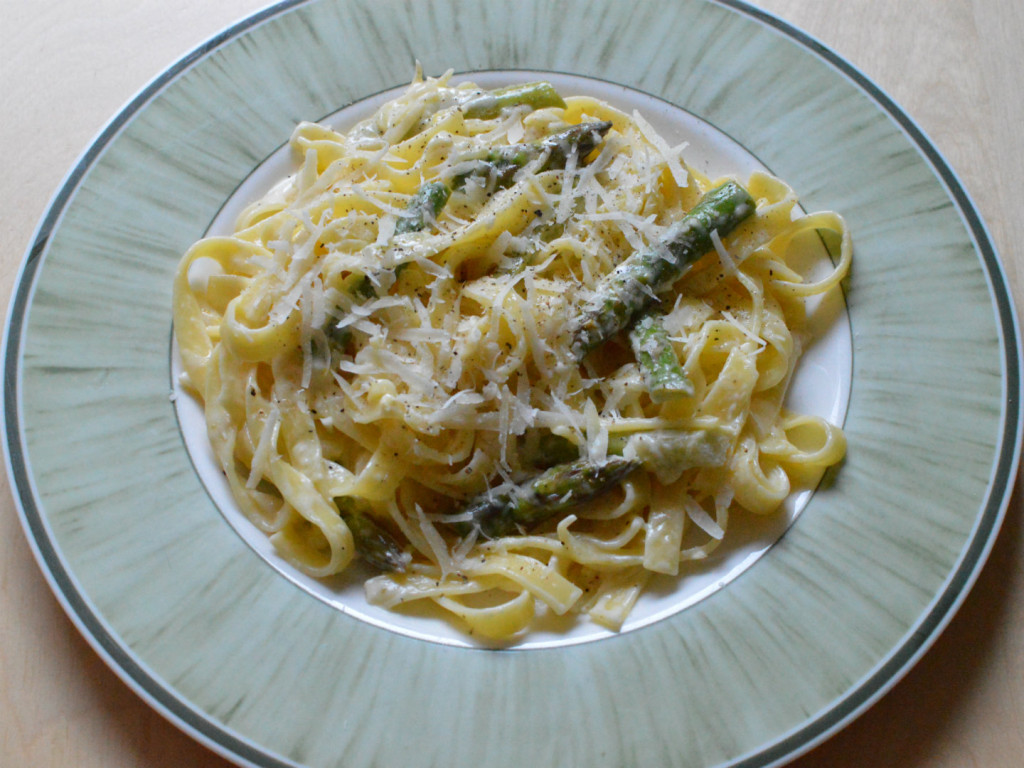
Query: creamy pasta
point(404, 355)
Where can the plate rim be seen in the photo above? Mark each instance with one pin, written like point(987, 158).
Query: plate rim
point(818, 727)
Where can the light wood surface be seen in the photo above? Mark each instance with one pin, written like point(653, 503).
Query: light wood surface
point(955, 66)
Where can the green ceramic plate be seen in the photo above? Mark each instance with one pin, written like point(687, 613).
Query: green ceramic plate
point(776, 651)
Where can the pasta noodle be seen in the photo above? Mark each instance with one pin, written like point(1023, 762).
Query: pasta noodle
point(386, 340)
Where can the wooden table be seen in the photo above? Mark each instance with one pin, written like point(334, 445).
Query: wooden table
point(66, 66)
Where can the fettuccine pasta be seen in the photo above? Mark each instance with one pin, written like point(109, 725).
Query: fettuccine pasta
point(399, 356)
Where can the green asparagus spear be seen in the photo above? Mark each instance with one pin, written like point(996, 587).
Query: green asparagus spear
point(632, 286)
point(655, 449)
point(668, 453)
point(540, 449)
point(663, 376)
point(580, 139)
point(423, 207)
point(551, 492)
point(502, 162)
point(376, 545)
point(569, 480)
point(534, 95)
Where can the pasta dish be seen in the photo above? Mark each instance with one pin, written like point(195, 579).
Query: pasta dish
point(508, 349)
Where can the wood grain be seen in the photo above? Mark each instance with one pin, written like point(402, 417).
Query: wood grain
point(66, 67)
